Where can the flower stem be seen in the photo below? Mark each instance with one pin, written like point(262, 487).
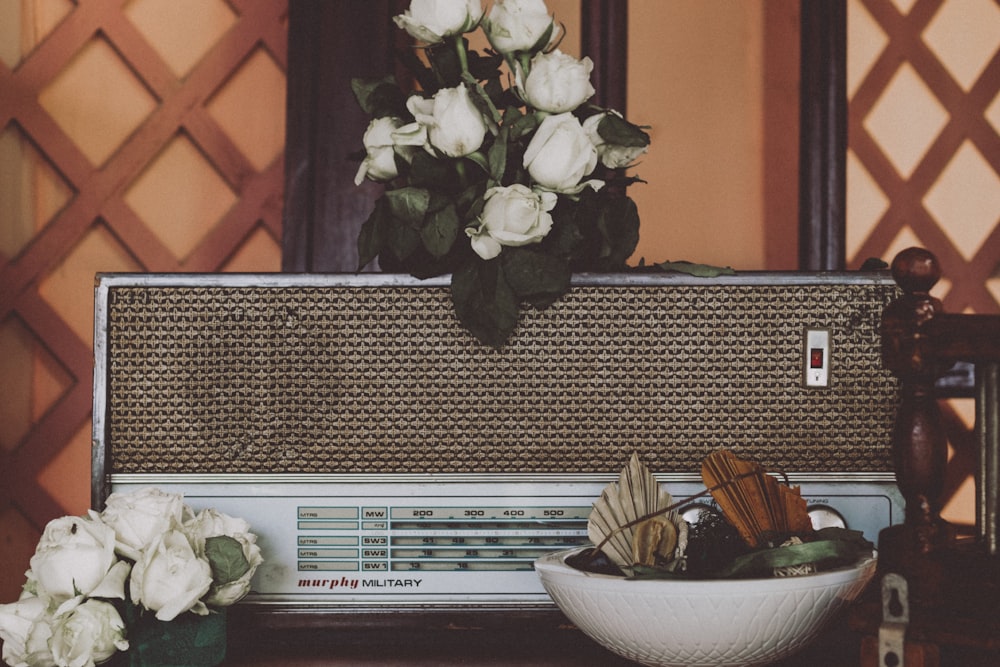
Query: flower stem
point(463, 55)
point(524, 60)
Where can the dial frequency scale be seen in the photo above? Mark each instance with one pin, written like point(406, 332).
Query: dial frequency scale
point(452, 541)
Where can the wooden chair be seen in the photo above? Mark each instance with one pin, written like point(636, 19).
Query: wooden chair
point(953, 580)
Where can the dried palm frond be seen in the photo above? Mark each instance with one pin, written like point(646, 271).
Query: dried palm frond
point(628, 521)
point(753, 501)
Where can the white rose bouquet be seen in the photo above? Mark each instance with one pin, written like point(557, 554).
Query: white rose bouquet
point(509, 188)
point(146, 555)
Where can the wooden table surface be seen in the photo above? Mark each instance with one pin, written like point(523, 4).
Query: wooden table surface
point(498, 646)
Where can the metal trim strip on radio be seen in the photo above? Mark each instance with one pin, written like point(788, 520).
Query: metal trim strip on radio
point(770, 278)
point(402, 541)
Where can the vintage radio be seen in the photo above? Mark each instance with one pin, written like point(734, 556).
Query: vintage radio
point(390, 462)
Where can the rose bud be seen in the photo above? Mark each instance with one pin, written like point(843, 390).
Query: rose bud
point(432, 20)
point(556, 82)
point(560, 155)
point(454, 126)
point(512, 216)
point(518, 25)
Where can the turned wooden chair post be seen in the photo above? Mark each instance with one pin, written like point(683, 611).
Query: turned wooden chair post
point(919, 342)
point(953, 580)
point(919, 442)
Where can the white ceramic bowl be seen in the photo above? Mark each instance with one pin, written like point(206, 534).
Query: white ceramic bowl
point(691, 623)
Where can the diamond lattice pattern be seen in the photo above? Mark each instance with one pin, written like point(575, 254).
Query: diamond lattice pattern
point(924, 162)
point(134, 136)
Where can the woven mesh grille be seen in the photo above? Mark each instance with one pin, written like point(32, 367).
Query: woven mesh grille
point(337, 379)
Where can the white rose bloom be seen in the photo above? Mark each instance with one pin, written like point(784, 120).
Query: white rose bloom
point(453, 124)
point(512, 216)
point(25, 628)
point(432, 20)
point(140, 516)
point(557, 82)
point(380, 162)
point(516, 25)
point(213, 523)
point(169, 578)
point(612, 156)
point(412, 136)
point(88, 634)
point(560, 155)
point(76, 556)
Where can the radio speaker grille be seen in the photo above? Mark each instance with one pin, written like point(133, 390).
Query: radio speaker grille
point(382, 379)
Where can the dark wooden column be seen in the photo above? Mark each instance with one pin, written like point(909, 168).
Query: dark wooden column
point(329, 43)
point(823, 136)
point(605, 39)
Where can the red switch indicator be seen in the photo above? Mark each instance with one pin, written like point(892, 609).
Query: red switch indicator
point(816, 358)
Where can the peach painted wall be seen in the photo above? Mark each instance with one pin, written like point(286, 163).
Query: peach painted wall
point(696, 76)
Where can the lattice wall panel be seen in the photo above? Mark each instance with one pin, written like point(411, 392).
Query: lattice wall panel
point(135, 135)
point(924, 139)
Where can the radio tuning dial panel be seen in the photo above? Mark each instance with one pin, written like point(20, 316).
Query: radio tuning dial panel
point(350, 542)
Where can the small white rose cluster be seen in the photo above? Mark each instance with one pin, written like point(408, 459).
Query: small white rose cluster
point(146, 545)
point(498, 168)
point(560, 156)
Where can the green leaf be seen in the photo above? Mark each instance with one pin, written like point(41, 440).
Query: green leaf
point(524, 125)
point(373, 235)
point(498, 157)
point(481, 100)
point(485, 67)
point(697, 270)
point(408, 204)
point(874, 264)
point(421, 72)
point(853, 537)
point(479, 160)
point(835, 547)
point(469, 202)
point(363, 89)
point(618, 224)
point(820, 552)
point(648, 572)
point(427, 171)
point(544, 40)
point(445, 63)
point(568, 232)
point(496, 91)
point(226, 558)
point(402, 238)
point(484, 302)
point(440, 231)
point(534, 276)
point(511, 115)
point(616, 130)
point(380, 97)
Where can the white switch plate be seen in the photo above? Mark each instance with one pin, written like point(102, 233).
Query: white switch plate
point(816, 358)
